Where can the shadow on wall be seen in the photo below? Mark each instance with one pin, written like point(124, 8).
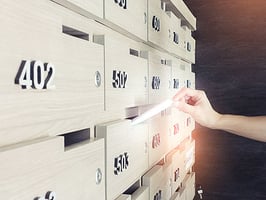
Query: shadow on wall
point(231, 68)
point(228, 167)
point(230, 57)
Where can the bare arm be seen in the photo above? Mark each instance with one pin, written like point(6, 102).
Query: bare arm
point(196, 103)
point(250, 127)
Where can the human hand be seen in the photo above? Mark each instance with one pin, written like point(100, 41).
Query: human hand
point(196, 103)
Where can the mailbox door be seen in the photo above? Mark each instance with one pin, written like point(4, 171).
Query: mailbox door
point(178, 169)
point(49, 77)
point(31, 170)
point(126, 154)
point(130, 15)
point(159, 33)
point(175, 43)
point(126, 74)
point(158, 139)
point(152, 179)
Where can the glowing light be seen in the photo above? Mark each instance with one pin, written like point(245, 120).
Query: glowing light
point(153, 111)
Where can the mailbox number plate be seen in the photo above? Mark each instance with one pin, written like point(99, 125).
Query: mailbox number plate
point(36, 75)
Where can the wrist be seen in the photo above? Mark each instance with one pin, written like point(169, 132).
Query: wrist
point(216, 120)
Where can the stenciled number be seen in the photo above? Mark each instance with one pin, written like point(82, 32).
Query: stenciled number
point(121, 163)
point(188, 47)
point(121, 3)
point(36, 75)
point(176, 83)
point(176, 174)
point(156, 23)
point(189, 84)
point(119, 79)
point(155, 82)
point(158, 195)
point(176, 129)
point(175, 38)
point(156, 141)
point(189, 121)
point(49, 196)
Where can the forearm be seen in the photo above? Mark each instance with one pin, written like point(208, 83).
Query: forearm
point(250, 127)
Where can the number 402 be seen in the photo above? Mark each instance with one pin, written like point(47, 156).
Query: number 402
point(36, 75)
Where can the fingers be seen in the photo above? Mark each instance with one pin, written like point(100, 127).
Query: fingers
point(184, 107)
point(185, 93)
point(189, 100)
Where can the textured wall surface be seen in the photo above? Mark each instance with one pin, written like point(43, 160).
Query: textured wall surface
point(231, 68)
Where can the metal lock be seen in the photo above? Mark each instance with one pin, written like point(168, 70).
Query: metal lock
point(97, 79)
point(145, 18)
point(145, 81)
point(98, 176)
point(146, 147)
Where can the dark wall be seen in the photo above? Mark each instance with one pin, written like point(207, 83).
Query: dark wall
point(231, 68)
point(231, 53)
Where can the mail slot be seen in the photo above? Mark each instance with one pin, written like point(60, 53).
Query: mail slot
point(126, 154)
point(52, 77)
point(137, 191)
point(180, 8)
point(187, 190)
point(126, 73)
point(124, 197)
point(129, 15)
point(141, 194)
point(42, 167)
point(180, 194)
